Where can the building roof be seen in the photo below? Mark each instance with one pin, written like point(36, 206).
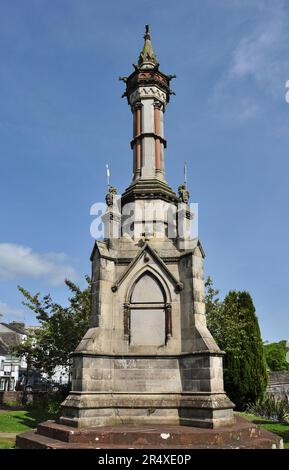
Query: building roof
point(3, 348)
point(10, 340)
point(16, 327)
point(11, 335)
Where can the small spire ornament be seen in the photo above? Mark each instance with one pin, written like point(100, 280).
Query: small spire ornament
point(147, 55)
point(184, 195)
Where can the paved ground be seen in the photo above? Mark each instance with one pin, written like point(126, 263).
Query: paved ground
point(8, 435)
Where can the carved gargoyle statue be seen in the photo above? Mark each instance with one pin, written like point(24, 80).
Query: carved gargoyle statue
point(112, 191)
point(184, 194)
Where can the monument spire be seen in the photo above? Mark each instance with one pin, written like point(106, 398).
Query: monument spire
point(147, 57)
point(148, 93)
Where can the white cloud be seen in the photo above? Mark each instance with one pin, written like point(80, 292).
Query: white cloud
point(6, 309)
point(260, 56)
point(259, 67)
point(18, 262)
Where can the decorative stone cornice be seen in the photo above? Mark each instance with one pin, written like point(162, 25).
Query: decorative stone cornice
point(149, 189)
point(208, 352)
point(147, 92)
point(127, 261)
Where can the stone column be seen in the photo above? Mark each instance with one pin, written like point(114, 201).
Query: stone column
point(169, 331)
point(157, 107)
point(126, 322)
point(162, 145)
point(137, 133)
point(148, 141)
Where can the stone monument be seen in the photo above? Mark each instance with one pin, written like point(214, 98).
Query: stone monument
point(148, 357)
point(148, 373)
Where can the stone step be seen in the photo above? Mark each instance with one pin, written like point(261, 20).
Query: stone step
point(160, 436)
point(32, 440)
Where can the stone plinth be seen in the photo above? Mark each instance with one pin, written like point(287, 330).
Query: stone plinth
point(184, 390)
point(241, 435)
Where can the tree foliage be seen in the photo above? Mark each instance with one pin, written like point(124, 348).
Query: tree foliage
point(60, 328)
point(276, 356)
point(234, 325)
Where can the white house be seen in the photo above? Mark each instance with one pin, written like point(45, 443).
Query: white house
point(11, 367)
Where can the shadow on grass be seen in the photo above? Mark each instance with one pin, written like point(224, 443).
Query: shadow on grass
point(20, 421)
point(33, 417)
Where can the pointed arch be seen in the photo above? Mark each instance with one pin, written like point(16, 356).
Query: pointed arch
point(156, 277)
point(147, 289)
point(148, 312)
point(178, 286)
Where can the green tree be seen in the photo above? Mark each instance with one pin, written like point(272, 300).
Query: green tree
point(245, 368)
point(224, 328)
point(60, 328)
point(275, 354)
point(234, 325)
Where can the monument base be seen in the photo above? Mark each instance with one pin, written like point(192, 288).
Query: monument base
point(181, 390)
point(241, 435)
point(136, 409)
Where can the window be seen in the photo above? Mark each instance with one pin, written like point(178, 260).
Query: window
point(11, 384)
point(2, 384)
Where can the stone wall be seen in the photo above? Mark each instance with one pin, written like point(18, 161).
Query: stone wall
point(279, 384)
point(10, 397)
point(16, 398)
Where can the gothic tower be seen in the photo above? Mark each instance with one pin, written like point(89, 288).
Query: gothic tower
point(148, 357)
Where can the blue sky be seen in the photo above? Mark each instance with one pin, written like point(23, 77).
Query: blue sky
point(62, 118)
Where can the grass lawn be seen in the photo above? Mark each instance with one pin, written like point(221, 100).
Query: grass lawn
point(4, 444)
point(21, 420)
point(277, 428)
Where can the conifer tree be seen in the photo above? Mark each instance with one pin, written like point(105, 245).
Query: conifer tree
point(235, 327)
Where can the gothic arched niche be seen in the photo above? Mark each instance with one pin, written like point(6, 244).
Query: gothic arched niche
point(147, 289)
point(147, 311)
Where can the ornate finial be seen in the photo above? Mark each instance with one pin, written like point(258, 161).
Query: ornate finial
point(184, 194)
point(147, 32)
point(147, 57)
point(112, 191)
